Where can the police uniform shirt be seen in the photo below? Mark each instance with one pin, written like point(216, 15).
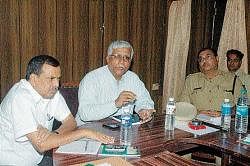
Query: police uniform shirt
point(208, 94)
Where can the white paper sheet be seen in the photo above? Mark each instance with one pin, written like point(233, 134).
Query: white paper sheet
point(82, 146)
point(183, 125)
point(209, 119)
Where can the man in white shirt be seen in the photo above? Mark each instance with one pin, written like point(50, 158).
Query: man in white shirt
point(234, 60)
point(27, 113)
point(103, 92)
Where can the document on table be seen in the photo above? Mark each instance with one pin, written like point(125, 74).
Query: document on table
point(82, 146)
point(183, 125)
point(135, 119)
point(213, 120)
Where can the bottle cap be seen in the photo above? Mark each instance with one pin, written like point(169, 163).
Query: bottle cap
point(170, 99)
point(126, 110)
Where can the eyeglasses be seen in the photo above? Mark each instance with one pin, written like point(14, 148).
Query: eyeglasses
point(125, 58)
point(233, 60)
point(201, 59)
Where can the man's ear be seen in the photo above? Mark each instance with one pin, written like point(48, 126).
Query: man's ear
point(108, 59)
point(33, 78)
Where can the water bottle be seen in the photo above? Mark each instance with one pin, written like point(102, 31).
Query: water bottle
point(241, 117)
point(170, 114)
point(126, 127)
point(226, 115)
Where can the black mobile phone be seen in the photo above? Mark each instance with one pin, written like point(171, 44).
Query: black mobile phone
point(112, 126)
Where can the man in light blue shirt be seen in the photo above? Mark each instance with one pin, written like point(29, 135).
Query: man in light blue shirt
point(104, 91)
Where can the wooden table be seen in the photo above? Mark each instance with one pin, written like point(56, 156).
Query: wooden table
point(163, 158)
point(152, 139)
point(223, 144)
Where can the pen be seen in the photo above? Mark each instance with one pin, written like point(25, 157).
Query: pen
point(86, 146)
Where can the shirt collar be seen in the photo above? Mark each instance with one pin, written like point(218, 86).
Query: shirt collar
point(37, 97)
point(111, 75)
point(220, 73)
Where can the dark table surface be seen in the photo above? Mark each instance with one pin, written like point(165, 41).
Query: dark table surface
point(152, 139)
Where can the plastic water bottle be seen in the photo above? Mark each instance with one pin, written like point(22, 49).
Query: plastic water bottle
point(226, 115)
point(170, 114)
point(241, 117)
point(126, 127)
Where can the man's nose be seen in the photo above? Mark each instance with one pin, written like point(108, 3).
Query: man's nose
point(56, 83)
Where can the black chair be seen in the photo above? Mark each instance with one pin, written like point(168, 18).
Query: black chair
point(70, 93)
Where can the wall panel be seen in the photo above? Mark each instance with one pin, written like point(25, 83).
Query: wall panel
point(47, 27)
point(116, 22)
point(95, 53)
point(9, 49)
point(64, 44)
point(28, 13)
point(80, 30)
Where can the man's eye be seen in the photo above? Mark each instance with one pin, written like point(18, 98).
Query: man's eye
point(54, 78)
point(127, 58)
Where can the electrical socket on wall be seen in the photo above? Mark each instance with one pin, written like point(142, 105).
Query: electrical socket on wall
point(156, 86)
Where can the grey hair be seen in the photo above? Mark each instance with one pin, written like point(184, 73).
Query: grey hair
point(120, 44)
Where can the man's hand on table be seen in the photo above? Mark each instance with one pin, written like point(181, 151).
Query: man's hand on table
point(104, 138)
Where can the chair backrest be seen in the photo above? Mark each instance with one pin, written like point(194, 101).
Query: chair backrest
point(70, 93)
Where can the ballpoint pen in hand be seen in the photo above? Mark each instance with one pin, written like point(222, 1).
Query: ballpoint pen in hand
point(86, 145)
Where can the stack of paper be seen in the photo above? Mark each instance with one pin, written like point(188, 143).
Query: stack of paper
point(213, 120)
point(183, 125)
point(82, 146)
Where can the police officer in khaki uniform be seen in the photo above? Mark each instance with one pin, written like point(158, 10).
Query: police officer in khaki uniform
point(207, 89)
point(234, 61)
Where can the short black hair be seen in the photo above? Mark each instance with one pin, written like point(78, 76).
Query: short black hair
point(239, 54)
point(208, 48)
point(36, 63)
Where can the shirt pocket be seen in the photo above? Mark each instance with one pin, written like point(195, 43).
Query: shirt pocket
point(228, 95)
point(197, 93)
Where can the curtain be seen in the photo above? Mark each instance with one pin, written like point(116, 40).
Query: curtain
point(247, 9)
point(206, 25)
point(179, 24)
point(233, 35)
